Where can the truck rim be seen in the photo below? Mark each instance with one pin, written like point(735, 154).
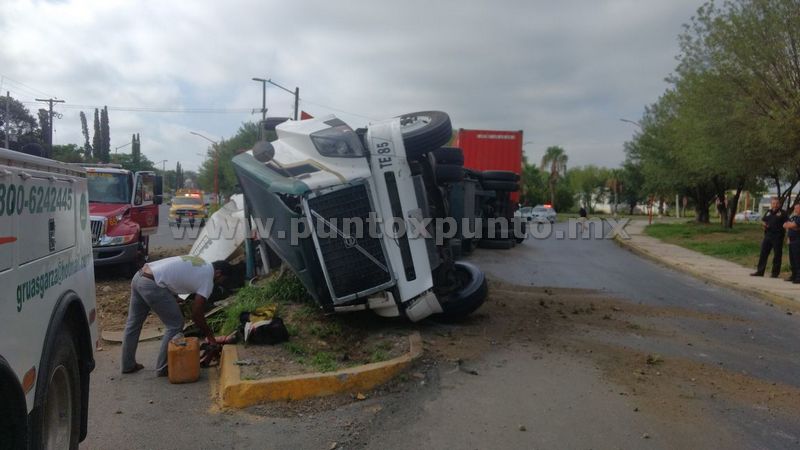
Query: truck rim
point(58, 410)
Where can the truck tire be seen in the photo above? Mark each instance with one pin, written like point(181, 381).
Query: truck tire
point(469, 297)
point(499, 175)
point(56, 423)
point(424, 132)
point(448, 173)
point(449, 155)
point(13, 412)
point(506, 186)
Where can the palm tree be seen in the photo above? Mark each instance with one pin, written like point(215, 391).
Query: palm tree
point(555, 162)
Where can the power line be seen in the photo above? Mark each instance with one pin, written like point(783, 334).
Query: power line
point(31, 89)
point(163, 109)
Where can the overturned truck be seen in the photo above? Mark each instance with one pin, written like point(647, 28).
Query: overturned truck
point(353, 214)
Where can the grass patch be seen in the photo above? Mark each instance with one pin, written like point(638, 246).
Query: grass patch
point(279, 290)
point(740, 245)
point(324, 343)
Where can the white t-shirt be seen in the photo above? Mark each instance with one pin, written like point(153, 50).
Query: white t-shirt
point(184, 275)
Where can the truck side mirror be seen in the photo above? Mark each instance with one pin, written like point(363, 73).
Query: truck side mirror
point(158, 194)
point(263, 151)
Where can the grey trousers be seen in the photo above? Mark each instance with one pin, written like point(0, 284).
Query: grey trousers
point(146, 295)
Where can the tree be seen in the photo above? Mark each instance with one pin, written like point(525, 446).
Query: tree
point(632, 188)
point(97, 139)
point(533, 184)
point(554, 162)
point(178, 176)
point(105, 134)
point(87, 147)
point(752, 46)
point(20, 125)
point(588, 183)
point(225, 150)
point(126, 161)
point(136, 150)
point(69, 153)
point(45, 133)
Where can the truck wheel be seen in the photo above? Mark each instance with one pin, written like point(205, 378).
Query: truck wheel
point(425, 131)
point(469, 297)
point(499, 175)
point(13, 413)
point(449, 155)
point(56, 424)
point(492, 185)
point(448, 173)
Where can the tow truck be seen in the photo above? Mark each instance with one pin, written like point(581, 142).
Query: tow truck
point(188, 206)
point(48, 316)
point(123, 212)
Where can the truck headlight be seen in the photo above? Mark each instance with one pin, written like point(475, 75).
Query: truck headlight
point(113, 220)
point(116, 240)
point(338, 142)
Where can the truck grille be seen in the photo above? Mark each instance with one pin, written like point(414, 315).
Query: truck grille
point(356, 265)
point(97, 229)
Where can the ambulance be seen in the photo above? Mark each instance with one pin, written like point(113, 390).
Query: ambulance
point(48, 317)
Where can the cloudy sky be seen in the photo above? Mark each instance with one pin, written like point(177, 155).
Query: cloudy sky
point(564, 72)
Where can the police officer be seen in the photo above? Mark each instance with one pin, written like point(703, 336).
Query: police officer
point(774, 233)
point(793, 231)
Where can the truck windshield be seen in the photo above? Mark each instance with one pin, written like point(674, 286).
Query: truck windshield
point(109, 187)
point(187, 201)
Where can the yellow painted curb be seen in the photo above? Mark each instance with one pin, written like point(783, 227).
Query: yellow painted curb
point(237, 393)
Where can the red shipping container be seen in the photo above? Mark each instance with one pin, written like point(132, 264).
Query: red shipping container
point(492, 150)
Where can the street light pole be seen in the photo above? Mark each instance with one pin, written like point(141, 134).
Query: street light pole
point(295, 92)
point(216, 162)
point(263, 82)
point(163, 163)
point(632, 122)
point(124, 145)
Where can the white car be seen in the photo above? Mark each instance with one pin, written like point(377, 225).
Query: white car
point(747, 216)
point(544, 213)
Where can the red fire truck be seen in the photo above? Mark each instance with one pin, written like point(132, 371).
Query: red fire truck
point(123, 208)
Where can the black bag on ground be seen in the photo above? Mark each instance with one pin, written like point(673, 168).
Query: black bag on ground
point(265, 332)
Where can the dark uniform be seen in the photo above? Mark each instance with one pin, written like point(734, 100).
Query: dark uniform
point(773, 240)
point(794, 249)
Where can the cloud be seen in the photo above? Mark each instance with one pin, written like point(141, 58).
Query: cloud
point(564, 72)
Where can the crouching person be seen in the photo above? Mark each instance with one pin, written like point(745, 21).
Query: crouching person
point(155, 288)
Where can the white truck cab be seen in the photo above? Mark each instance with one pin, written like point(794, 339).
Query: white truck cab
point(48, 328)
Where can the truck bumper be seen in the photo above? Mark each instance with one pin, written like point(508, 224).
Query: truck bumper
point(117, 254)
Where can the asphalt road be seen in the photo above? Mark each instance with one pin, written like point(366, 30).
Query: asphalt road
point(525, 396)
point(170, 237)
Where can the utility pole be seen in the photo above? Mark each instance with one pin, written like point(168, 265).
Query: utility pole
point(263, 105)
point(8, 114)
point(296, 94)
point(50, 101)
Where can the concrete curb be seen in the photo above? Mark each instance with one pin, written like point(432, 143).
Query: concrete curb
point(764, 295)
point(237, 393)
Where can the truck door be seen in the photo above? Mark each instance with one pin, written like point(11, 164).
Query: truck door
point(145, 202)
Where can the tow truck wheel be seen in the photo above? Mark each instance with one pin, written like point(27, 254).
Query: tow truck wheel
point(424, 132)
point(56, 423)
point(469, 297)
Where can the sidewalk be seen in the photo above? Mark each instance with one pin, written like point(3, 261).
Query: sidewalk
point(708, 268)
